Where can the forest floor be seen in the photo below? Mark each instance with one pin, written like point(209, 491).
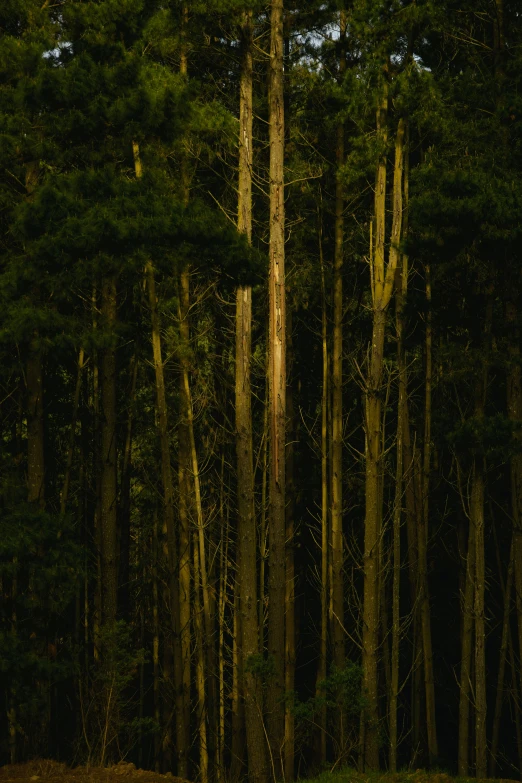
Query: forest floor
point(49, 771)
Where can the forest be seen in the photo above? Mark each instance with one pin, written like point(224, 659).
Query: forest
point(261, 386)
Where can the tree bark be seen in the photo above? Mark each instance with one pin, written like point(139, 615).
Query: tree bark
point(325, 532)
point(277, 391)
point(466, 650)
point(249, 627)
point(506, 590)
point(424, 600)
point(382, 282)
point(338, 635)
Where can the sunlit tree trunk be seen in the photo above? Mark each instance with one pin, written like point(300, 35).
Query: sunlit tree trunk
point(249, 626)
point(277, 391)
point(400, 301)
point(382, 282)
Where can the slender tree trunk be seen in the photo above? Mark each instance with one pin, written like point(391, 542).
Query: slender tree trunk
point(185, 537)
point(199, 630)
point(237, 751)
point(277, 391)
point(514, 408)
point(222, 604)
point(253, 697)
point(108, 510)
point(168, 493)
point(400, 300)
point(424, 600)
point(325, 534)
point(466, 650)
point(477, 519)
point(156, 643)
point(382, 282)
point(290, 628)
point(168, 508)
point(506, 589)
point(125, 499)
point(338, 635)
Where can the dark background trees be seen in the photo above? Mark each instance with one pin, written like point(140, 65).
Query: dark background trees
point(253, 529)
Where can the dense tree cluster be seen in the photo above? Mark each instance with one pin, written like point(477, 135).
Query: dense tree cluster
point(261, 385)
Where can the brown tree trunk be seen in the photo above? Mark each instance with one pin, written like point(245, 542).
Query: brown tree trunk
point(466, 650)
point(277, 392)
point(477, 515)
point(249, 626)
point(506, 590)
point(424, 601)
point(125, 499)
point(338, 634)
point(185, 537)
point(382, 282)
point(514, 407)
point(325, 533)
point(400, 300)
point(290, 628)
point(168, 509)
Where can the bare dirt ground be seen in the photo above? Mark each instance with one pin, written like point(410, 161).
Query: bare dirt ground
point(48, 771)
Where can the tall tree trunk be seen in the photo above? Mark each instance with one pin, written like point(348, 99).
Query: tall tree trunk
point(108, 505)
point(424, 600)
point(400, 301)
point(185, 496)
point(168, 494)
point(477, 519)
point(506, 590)
point(253, 696)
point(337, 587)
point(382, 282)
point(325, 533)
point(514, 408)
point(199, 631)
point(168, 509)
point(277, 391)
point(125, 499)
point(290, 628)
point(466, 650)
